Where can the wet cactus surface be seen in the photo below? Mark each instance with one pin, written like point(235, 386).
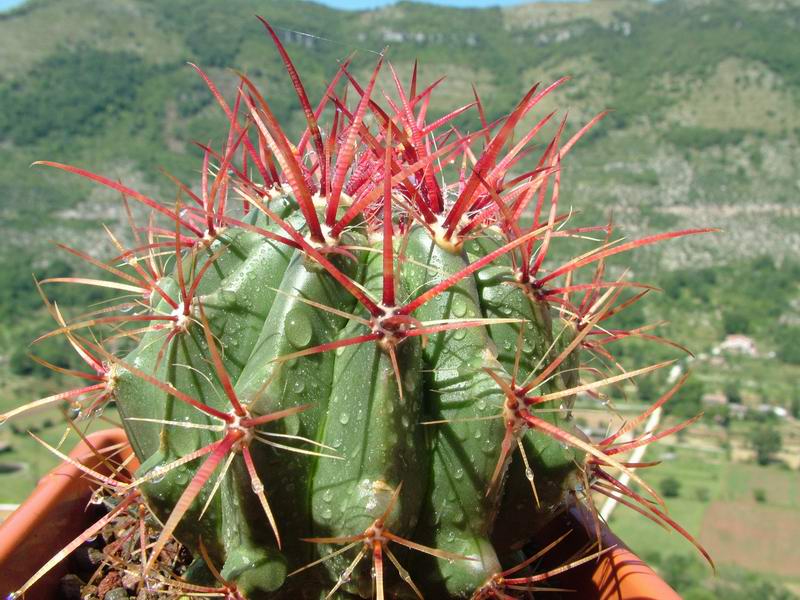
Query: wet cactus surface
point(353, 359)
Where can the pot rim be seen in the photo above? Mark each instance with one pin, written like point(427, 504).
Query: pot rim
point(56, 512)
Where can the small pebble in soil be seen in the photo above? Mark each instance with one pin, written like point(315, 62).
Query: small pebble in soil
point(70, 588)
point(116, 594)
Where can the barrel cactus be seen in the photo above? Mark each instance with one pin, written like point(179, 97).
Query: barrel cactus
point(343, 360)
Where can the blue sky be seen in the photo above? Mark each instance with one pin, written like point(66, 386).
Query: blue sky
point(362, 4)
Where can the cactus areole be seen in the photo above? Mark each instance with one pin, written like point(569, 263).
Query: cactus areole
point(352, 369)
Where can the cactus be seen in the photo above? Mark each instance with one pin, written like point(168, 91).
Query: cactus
point(342, 362)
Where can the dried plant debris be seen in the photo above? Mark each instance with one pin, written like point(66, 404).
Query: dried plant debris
point(111, 564)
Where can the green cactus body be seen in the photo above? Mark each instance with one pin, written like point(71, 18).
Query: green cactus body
point(236, 309)
point(460, 514)
point(261, 312)
point(524, 349)
point(273, 384)
point(280, 410)
point(372, 425)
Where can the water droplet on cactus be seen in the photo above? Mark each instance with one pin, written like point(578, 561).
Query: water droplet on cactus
point(327, 495)
point(298, 328)
point(459, 308)
point(409, 382)
point(157, 474)
point(458, 473)
point(298, 385)
point(344, 418)
point(181, 475)
point(257, 486)
point(291, 425)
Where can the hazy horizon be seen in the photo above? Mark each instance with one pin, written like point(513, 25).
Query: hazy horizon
point(369, 4)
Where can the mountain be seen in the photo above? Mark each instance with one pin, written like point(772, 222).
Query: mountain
point(704, 131)
point(705, 97)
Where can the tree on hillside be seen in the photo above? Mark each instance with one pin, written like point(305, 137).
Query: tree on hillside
point(795, 406)
point(732, 393)
point(789, 346)
point(647, 388)
point(682, 571)
point(670, 487)
point(688, 401)
point(736, 320)
point(766, 441)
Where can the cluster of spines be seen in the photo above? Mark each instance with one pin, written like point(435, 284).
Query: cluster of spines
point(389, 181)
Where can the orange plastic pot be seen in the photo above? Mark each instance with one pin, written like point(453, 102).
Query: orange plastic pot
point(56, 512)
point(617, 575)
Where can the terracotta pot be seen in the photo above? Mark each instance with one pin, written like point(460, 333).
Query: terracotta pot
point(56, 512)
point(617, 575)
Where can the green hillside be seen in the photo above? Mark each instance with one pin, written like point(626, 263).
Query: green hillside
point(704, 131)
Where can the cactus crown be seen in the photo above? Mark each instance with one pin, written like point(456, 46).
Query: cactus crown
point(342, 357)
